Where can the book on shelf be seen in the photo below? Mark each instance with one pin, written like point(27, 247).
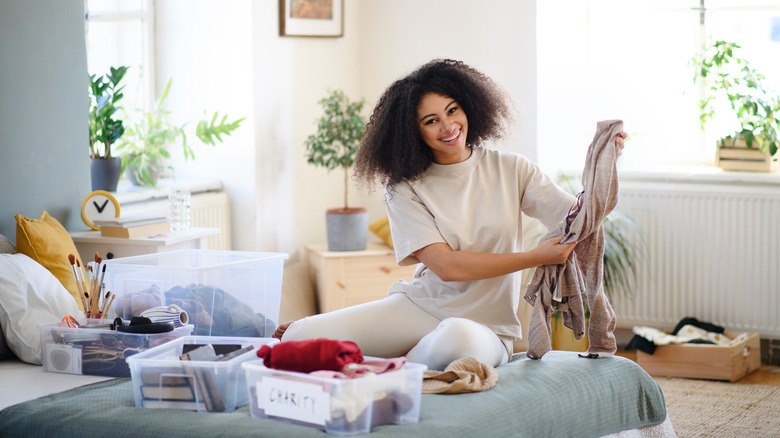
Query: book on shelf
point(139, 231)
point(132, 221)
point(168, 392)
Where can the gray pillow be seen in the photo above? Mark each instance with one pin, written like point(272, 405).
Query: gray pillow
point(6, 246)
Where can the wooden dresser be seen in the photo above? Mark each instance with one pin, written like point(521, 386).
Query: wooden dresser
point(346, 278)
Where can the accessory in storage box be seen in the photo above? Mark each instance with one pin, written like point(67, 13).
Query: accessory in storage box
point(225, 293)
point(162, 380)
point(338, 406)
point(96, 351)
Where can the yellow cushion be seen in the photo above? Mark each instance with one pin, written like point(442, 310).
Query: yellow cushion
point(381, 228)
point(47, 242)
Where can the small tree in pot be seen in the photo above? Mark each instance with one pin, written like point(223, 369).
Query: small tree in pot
point(104, 129)
point(334, 146)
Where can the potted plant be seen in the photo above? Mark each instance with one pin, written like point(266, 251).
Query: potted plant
point(754, 145)
point(144, 146)
point(334, 146)
point(104, 129)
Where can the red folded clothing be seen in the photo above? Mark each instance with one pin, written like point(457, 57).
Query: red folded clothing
point(310, 355)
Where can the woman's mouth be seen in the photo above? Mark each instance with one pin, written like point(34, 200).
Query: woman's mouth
point(451, 138)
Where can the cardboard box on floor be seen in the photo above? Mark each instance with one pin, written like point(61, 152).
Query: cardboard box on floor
point(702, 361)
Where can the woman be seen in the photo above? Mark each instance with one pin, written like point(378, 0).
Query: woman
point(455, 209)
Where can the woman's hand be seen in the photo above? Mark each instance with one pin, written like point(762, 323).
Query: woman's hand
point(620, 141)
point(553, 252)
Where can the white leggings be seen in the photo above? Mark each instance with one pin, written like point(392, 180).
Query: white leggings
point(395, 326)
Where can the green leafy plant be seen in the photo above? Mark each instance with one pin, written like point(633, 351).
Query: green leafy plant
point(104, 129)
point(726, 75)
point(337, 139)
point(145, 145)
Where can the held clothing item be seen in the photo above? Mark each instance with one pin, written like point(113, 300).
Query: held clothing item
point(560, 287)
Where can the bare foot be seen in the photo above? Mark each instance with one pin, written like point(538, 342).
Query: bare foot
point(280, 330)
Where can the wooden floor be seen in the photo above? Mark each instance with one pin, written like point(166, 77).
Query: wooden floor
point(765, 375)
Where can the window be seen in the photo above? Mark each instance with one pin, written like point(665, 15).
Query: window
point(630, 59)
point(120, 32)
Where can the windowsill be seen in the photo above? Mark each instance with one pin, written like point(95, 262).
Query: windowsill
point(127, 193)
point(694, 175)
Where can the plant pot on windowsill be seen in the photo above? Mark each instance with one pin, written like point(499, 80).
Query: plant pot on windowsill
point(737, 155)
point(347, 229)
point(141, 172)
point(105, 173)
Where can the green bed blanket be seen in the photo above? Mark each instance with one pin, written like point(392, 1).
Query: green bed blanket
point(558, 396)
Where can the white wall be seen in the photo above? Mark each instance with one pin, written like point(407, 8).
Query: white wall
point(230, 52)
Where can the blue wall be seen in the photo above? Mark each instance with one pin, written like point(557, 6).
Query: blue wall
point(44, 150)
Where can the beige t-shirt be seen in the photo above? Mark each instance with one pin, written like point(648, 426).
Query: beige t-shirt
point(475, 205)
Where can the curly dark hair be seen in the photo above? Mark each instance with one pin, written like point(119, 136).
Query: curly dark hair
point(392, 149)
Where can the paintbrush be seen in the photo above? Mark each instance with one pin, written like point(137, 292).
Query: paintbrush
point(105, 304)
point(108, 305)
point(72, 260)
point(81, 275)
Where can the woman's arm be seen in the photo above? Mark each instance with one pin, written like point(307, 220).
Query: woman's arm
point(452, 265)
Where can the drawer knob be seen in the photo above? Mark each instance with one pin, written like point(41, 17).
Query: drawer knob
point(384, 269)
point(110, 255)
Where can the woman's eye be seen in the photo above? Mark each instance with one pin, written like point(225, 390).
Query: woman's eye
point(452, 110)
point(430, 121)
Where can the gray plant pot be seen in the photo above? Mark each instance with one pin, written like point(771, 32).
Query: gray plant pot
point(347, 229)
point(105, 172)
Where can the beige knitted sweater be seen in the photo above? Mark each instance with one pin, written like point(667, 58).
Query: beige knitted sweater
point(560, 287)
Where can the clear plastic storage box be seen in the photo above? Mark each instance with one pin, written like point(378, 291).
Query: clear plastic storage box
point(97, 351)
point(225, 293)
point(338, 406)
point(162, 380)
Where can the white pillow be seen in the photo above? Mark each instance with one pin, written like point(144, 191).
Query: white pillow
point(30, 295)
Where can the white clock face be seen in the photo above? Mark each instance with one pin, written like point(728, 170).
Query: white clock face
point(99, 205)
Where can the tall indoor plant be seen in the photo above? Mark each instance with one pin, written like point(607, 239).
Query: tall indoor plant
point(727, 76)
point(334, 145)
point(145, 145)
point(104, 129)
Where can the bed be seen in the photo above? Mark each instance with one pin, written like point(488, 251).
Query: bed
point(559, 395)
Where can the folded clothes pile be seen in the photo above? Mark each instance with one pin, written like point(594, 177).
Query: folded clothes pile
point(344, 360)
point(687, 331)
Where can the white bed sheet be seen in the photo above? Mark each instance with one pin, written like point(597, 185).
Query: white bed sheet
point(21, 381)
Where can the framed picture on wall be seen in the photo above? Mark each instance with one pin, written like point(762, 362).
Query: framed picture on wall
point(311, 18)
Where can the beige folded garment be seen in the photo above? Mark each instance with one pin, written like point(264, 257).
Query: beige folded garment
point(463, 375)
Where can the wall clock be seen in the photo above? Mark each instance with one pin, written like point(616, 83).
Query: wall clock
point(99, 205)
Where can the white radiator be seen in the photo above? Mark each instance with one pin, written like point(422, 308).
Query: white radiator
point(210, 209)
point(712, 252)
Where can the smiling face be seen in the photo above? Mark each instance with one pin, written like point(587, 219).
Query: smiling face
point(443, 126)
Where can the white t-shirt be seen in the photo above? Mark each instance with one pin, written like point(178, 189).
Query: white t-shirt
point(474, 205)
